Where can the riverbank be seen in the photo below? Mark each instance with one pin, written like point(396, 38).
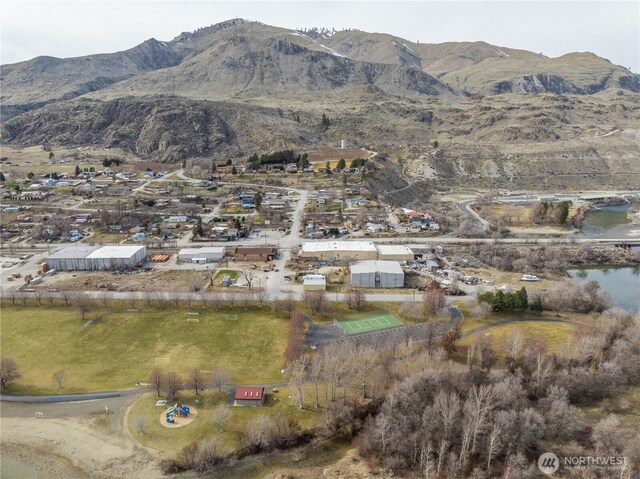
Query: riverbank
point(20, 461)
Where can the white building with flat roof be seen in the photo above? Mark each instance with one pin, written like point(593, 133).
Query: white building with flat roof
point(114, 257)
point(314, 282)
point(377, 274)
point(339, 250)
point(394, 252)
point(205, 254)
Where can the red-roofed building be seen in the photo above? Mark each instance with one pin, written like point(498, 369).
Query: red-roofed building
point(249, 396)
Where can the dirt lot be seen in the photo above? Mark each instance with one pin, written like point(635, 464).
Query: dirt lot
point(180, 281)
point(330, 153)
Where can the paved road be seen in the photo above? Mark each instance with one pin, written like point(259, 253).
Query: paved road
point(481, 225)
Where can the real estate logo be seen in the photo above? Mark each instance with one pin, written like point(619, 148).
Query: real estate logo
point(548, 463)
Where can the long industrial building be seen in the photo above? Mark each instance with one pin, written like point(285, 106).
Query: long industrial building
point(377, 274)
point(205, 254)
point(354, 251)
point(339, 250)
point(77, 258)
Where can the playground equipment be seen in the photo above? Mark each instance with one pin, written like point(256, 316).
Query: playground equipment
point(178, 410)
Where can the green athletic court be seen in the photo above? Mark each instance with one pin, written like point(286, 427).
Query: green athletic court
point(370, 323)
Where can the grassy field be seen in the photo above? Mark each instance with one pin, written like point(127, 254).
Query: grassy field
point(170, 441)
point(121, 347)
point(555, 334)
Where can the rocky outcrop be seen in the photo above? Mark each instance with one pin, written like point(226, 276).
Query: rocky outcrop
point(162, 128)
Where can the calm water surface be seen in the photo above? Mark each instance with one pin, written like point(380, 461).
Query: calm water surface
point(609, 222)
point(622, 283)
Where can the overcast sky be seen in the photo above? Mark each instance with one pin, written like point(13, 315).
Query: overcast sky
point(73, 28)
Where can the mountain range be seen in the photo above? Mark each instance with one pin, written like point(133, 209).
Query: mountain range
point(238, 87)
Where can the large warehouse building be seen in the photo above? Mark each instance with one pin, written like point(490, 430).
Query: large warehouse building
point(206, 254)
point(377, 274)
point(116, 257)
point(339, 250)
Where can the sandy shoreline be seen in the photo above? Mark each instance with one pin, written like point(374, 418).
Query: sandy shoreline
point(69, 447)
point(52, 466)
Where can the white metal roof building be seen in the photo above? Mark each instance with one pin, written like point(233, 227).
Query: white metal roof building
point(394, 252)
point(209, 253)
point(71, 258)
point(314, 282)
point(377, 274)
point(339, 250)
point(114, 257)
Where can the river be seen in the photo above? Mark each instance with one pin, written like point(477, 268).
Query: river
point(621, 282)
point(609, 222)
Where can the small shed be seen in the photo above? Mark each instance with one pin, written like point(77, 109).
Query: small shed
point(314, 282)
point(252, 396)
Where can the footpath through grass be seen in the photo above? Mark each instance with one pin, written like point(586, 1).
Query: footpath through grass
point(121, 347)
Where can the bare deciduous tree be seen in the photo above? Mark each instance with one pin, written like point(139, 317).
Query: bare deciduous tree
point(493, 445)
point(156, 380)
point(261, 431)
point(82, 303)
point(297, 372)
point(12, 294)
point(249, 275)
point(433, 299)
point(513, 347)
point(172, 385)
point(219, 378)
point(295, 338)
point(59, 377)
point(220, 416)
point(449, 339)
point(8, 372)
point(261, 296)
point(38, 295)
point(606, 436)
point(103, 297)
point(195, 379)
point(317, 301)
point(355, 298)
point(149, 297)
point(66, 295)
point(138, 423)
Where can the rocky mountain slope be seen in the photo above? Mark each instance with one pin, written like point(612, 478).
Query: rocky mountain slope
point(238, 87)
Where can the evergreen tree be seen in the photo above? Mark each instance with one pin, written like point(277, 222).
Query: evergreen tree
point(563, 212)
point(341, 164)
point(498, 301)
point(509, 302)
point(197, 228)
point(537, 305)
point(2, 177)
point(78, 170)
point(435, 144)
point(328, 168)
point(522, 299)
point(30, 175)
point(257, 199)
point(234, 171)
